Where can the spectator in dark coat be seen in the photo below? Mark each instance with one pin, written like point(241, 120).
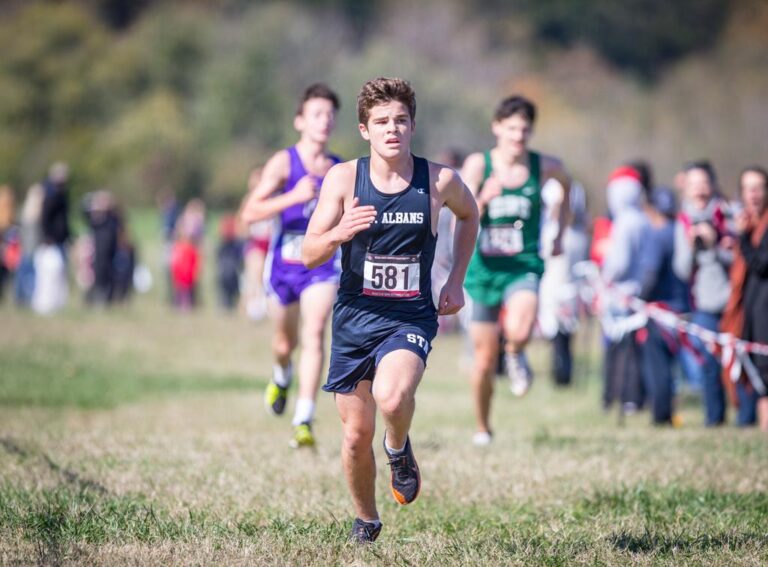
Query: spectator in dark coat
point(54, 220)
point(105, 226)
point(660, 284)
point(229, 263)
point(124, 264)
point(51, 288)
point(752, 223)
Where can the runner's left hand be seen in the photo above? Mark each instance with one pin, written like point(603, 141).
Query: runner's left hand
point(451, 299)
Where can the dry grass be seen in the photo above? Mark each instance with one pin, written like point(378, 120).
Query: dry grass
point(194, 472)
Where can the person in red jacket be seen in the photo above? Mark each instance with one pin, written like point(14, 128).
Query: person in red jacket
point(185, 269)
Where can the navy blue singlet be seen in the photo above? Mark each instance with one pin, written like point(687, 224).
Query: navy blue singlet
point(398, 245)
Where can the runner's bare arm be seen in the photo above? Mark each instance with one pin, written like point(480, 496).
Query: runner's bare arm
point(553, 169)
point(458, 198)
point(337, 217)
point(472, 173)
point(262, 203)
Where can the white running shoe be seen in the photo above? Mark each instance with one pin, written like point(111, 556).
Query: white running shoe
point(482, 439)
point(519, 372)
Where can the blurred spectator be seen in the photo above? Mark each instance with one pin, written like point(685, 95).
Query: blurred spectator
point(55, 214)
point(169, 215)
point(81, 259)
point(576, 247)
point(630, 225)
point(576, 238)
point(229, 263)
point(124, 263)
point(601, 237)
point(193, 216)
point(621, 268)
point(748, 305)
point(255, 252)
point(99, 212)
point(192, 223)
point(51, 285)
point(9, 237)
point(703, 255)
point(558, 315)
point(185, 267)
point(30, 238)
point(660, 285)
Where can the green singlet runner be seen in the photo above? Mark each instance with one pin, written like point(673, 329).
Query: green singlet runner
point(508, 244)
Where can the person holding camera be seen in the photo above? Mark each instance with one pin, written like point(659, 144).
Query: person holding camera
point(703, 255)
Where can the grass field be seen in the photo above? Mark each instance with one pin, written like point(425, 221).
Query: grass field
point(138, 437)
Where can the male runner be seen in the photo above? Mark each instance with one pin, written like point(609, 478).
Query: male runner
point(382, 210)
point(506, 266)
point(288, 189)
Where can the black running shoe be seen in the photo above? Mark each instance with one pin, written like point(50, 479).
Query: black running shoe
point(364, 532)
point(275, 399)
point(406, 480)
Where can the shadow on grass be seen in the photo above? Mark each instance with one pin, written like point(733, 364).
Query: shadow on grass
point(658, 503)
point(674, 520)
point(650, 542)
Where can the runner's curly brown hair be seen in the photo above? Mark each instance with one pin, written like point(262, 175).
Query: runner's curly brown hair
point(383, 90)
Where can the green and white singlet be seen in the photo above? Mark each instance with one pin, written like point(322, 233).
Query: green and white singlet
point(507, 247)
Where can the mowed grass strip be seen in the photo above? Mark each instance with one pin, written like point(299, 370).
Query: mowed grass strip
point(645, 523)
point(57, 374)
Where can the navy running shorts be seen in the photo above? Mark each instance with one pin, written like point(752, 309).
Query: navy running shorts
point(354, 357)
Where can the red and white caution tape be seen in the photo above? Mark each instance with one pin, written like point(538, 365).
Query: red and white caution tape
point(634, 314)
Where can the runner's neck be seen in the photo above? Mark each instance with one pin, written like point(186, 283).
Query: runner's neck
point(508, 159)
point(310, 153)
point(391, 176)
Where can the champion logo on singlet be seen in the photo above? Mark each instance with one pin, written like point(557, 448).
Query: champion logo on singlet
point(400, 217)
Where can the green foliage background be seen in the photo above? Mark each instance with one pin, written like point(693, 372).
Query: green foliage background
point(144, 95)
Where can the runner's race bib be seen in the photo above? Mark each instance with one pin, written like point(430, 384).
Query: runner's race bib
point(391, 276)
point(290, 249)
point(501, 240)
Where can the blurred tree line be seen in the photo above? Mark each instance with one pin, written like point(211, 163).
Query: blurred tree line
point(146, 95)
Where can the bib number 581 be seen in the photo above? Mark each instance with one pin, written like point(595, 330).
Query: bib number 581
point(386, 277)
point(391, 276)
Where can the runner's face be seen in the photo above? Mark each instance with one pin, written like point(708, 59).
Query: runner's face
point(317, 120)
point(389, 129)
point(698, 187)
point(754, 192)
point(512, 133)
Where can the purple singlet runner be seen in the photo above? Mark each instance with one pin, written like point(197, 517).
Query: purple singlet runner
point(288, 277)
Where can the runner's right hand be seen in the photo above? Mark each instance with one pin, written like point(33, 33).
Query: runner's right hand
point(490, 189)
point(305, 189)
point(354, 220)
